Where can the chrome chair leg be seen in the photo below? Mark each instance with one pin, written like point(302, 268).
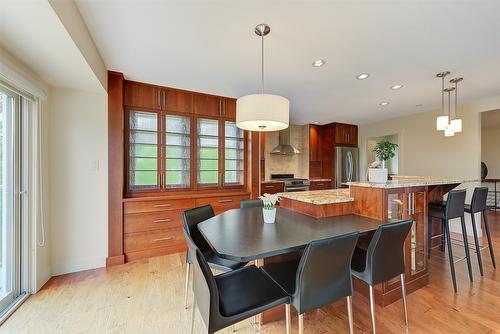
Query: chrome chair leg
point(301, 323)
point(372, 309)
point(403, 292)
point(288, 318)
point(192, 316)
point(349, 314)
point(186, 285)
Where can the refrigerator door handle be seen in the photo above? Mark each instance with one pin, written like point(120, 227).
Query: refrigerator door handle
point(349, 166)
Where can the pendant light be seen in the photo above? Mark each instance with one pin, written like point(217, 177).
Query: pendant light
point(456, 123)
point(448, 131)
point(443, 120)
point(262, 112)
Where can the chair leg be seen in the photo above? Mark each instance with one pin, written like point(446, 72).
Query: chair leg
point(476, 242)
point(403, 292)
point(429, 237)
point(288, 318)
point(301, 323)
point(186, 288)
point(349, 314)
point(450, 256)
point(443, 239)
point(466, 246)
point(488, 235)
point(372, 309)
point(193, 313)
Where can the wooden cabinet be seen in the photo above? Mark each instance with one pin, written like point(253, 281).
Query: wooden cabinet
point(177, 101)
point(346, 134)
point(314, 143)
point(320, 185)
point(271, 187)
point(207, 105)
point(153, 227)
point(141, 95)
point(229, 108)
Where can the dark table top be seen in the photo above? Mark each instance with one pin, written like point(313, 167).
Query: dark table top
point(242, 235)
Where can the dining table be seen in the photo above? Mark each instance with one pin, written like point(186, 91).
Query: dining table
point(242, 235)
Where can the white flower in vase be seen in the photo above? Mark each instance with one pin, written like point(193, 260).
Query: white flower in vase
point(269, 209)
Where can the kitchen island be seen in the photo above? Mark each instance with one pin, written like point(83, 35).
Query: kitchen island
point(401, 198)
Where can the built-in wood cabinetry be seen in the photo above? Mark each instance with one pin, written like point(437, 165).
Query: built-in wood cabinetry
point(149, 223)
point(320, 185)
point(322, 142)
point(346, 134)
point(271, 187)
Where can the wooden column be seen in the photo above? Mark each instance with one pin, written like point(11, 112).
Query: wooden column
point(115, 169)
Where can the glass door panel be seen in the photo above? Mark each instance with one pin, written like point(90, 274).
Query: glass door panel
point(417, 202)
point(9, 231)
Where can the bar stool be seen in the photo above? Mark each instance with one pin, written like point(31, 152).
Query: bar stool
point(251, 203)
point(477, 205)
point(454, 208)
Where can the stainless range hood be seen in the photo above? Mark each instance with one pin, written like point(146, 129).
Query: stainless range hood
point(284, 147)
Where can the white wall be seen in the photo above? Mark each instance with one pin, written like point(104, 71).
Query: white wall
point(78, 138)
point(490, 150)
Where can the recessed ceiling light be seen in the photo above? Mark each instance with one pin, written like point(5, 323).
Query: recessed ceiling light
point(316, 122)
point(363, 76)
point(318, 63)
point(397, 86)
point(384, 103)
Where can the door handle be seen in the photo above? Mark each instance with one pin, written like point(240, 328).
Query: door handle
point(159, 98)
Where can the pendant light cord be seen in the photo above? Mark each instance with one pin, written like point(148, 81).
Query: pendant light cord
point(262, 62)
point(442, 95)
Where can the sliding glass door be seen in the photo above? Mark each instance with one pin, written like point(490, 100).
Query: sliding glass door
point(11, 217)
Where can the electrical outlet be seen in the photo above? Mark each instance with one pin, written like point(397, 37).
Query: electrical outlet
point(94, 165)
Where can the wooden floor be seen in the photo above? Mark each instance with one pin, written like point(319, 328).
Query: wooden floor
point(147, 297)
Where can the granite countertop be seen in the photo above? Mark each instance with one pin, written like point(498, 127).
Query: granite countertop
point(320, 180)
point(411, 181)
point(329, 196)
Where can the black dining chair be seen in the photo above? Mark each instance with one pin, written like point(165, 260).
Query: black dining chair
point(383, 260)
point(454, 208)
point(321, 276)
point(478, 205)
point(231, 297)
point(191, 219)
point(251, 203)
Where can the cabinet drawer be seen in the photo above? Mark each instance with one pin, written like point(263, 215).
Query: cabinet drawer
point(320, 185)
point(158, 205)
point(222, 203)
point(271, 188)
point(149, 221)
point(152, 239)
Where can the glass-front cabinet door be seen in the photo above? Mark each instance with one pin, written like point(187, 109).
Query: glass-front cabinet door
point(417, 211)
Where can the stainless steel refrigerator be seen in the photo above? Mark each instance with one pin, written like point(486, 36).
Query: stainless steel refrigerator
point(346, 165)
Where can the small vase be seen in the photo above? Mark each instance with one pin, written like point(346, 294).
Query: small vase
point(383, 164)
point(269, 215)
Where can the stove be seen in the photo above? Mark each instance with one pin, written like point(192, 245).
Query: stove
point(291, 183)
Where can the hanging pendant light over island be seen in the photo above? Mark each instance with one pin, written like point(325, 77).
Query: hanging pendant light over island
point(262, 112)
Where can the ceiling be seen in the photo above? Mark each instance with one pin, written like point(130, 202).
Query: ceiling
point(210, 46)
point(33, 33)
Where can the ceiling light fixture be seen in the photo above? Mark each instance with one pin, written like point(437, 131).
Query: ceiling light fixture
point(456, 123)
point(394, 87)
point(449, 123)
point(363, 76)
point(318, 63)
point(262, 112)
point(442, 121)
point(448, 131)
point(384, 103)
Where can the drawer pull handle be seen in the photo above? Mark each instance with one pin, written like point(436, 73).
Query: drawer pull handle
point(162, 205)
point(225, 200)
point(319, 184)
point(162, 239)
point(166, 220)
point(268, 186)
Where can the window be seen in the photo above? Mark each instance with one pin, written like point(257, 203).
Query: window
point(178, 151)
point(208, 152)
point(143, 163)
point(234, 154)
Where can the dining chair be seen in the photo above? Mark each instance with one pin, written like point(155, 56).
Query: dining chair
point(191, 218)
point(231, 297)
point(251, 203)
point(321, 276)
point(383, 260)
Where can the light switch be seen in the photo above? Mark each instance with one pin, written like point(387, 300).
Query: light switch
point(94, 165)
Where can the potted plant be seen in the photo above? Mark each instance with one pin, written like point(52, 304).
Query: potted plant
point(269, 209)
point(384, 150)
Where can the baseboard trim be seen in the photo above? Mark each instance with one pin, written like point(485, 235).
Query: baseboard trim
point(115, 260)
